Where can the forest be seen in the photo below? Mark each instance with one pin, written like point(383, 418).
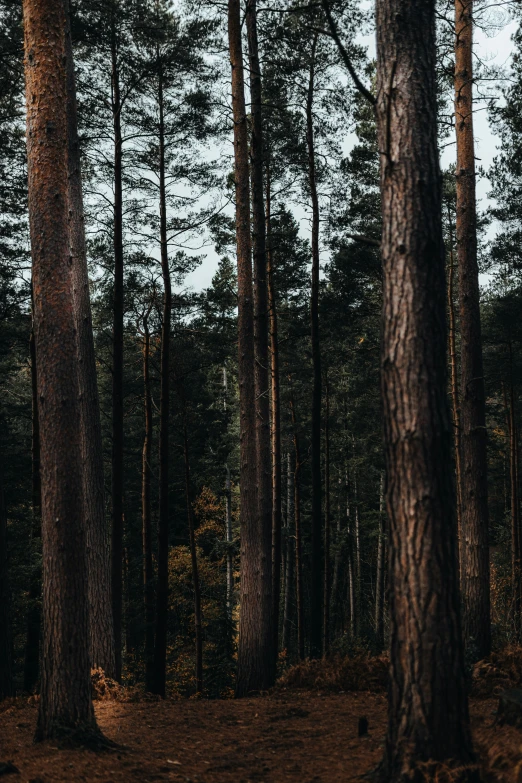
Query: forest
point(260, 391)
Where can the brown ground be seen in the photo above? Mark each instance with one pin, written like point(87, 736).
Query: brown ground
point(293, 736)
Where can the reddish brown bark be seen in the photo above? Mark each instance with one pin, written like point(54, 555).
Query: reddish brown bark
point(475, 520)
point(65, 698)
point(428, 708)
point(148, 570)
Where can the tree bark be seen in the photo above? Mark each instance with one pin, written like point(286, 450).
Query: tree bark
point(117, 368)
point(516, 575)
point(32, 643)
point(148, 569)
point(327, 574)
point(475, 521)
point(428, 708)
point(316, 591)
point(98, 552)
point(198, 624)
point(162, 592)
point(289, 571)
point(298, 536)
point(255, 656)
point(6, 646)
point(379, 580)
point(65, 699)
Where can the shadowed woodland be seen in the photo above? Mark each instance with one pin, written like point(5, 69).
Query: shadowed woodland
point(260, 389)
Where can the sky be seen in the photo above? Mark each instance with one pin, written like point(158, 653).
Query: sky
point(494, 49)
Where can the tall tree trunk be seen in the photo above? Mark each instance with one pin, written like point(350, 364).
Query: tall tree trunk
point(315, 456)
point(516, 568)
point(230, 554)
point(335, 598)
point(34, 613)
point(298, 536)
point(426, 657)
point(269, 627)
point(198, 624)
point(162, 593)
point(379, 580)
point(275, 419)
point(289, 571)
point(351, 576)
point(98, 552)
point(356, 540)
point(148, 570)
point(117, 368)
point(327, 575)
point(455, 396)
point(475, 521)
point(255, 658)
point(6, 647)
point(65, 698)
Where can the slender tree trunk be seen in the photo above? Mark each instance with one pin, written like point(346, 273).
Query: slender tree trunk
point(148, 571)
point(255, 656)
point(162, 593)
point(65, 699)
point(335, 598)
point(298, 536)
point(327, 574)
point(352, 601)
point(269, 627)
point(455, 401)
point(194, 562)
point(6, 646)
point(230, 555)
point(428, 706)
point(379, 580)
point(98, 552)
point(516, 568)
point(315, 456)
point(289, 572)
point(117, 369)
point(475, 521)
point(356, 540)
point(32, 644)
point(275, 419)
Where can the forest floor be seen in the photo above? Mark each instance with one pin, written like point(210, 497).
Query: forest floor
point(298, 736)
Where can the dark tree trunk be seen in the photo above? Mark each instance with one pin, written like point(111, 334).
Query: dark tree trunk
point(516, 569)
point(379, 579)
point(327, 574)
point(316, 591)
point(275, 420)
point(162, 593)
point(289, 571)
point(198, 624)
point(6, 647)
point(475, 522)
point(34, 613)
point(428, 705)
point(230, 554)
point(269, 628)
point(65, 698)
point(351, 575)
point(298, 537)
point(255, 658)
point(98, 552)
point(148, 571)
point(117, 369)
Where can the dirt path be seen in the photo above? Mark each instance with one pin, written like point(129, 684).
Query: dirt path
point(301, 737)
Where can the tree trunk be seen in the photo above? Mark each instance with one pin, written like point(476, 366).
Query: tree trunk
point(34, 613)
point(516, 575)
point(315, 456)
point(475, 522)
point(335, 597)
point(255, 659)
point(289, 571)
point(356, 559)
point(326, 593)
point(117, 370)
point(352, 601)
point(194, 562)
point(269, 627)
point(98, 552)
point(298, 537)
point(148, 570)
point(230, 554)
point(275, 419)
point(428, 706)
point(65, 699)
point(6, 646)
point(379, 580)
point(162, 593)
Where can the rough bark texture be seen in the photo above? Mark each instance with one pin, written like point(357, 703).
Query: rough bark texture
point(268, 630)
point(162, 592)
point(379, 578)
point(428, 709)
point(254, 668)
point(289, 556)
point(298, 537)
point(148, 571)
point(516, 576)
point(316, 590)
point(98, 551)
point(6, 650)
point(65, 696)
point(475, 522)
point(117, 369)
